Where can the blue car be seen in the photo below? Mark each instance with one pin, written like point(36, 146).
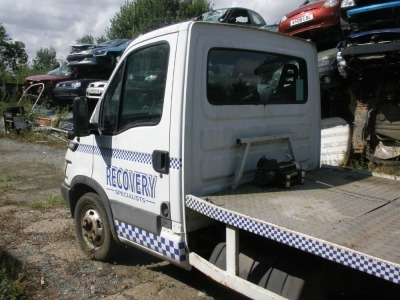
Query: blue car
point(103, 54)
point(367, 15)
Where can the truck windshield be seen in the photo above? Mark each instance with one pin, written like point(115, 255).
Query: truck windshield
point(250, 77)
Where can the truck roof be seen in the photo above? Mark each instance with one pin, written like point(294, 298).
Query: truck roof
point(185, 26)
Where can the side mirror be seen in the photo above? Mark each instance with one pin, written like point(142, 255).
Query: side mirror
point(80, 117)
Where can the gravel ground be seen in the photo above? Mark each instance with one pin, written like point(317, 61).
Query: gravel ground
point(36, 230)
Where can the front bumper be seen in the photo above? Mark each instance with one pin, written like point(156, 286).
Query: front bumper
point(66, 194)
point(66, 96)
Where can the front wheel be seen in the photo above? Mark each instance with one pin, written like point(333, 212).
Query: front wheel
point(92, 228)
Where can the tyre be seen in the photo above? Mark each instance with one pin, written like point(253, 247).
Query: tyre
point(92, 228)
point(290, 276)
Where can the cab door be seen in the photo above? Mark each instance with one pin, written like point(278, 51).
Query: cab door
point(131, 158)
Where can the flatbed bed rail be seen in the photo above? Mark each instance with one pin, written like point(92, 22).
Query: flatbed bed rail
point(343, 216)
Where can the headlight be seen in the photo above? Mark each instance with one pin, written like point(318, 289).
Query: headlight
point(75, 85)
point(325, 60)
point(57, 85)
point(151, 78)
point(100, 52)
point(284, 18)
point(341, 64)
point(340, 59)
point(348, 3)
point(330, 3)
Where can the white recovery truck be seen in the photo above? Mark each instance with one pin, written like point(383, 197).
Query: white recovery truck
point(204, 150)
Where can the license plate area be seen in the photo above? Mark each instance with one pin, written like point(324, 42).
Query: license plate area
point(302, 19)
point(95, 91)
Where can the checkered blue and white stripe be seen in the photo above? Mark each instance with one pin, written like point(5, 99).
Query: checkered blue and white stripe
point(168, 248)
point(336, 253)
point(138, 157)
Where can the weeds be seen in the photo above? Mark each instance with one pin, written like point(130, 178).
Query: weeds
point(12, 276)
point(4, 178)
point(5, 185)
point(50, 202)
point(40, 122)
point(363, 164)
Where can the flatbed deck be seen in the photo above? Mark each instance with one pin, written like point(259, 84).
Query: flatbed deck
point(343, 216)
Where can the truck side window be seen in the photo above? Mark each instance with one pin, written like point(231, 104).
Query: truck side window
point(136, 94)
point(111, 104)
point(249, 77)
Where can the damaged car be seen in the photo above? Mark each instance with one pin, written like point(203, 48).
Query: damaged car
point(95, 90)
point(48, 81)
point(332, 85)
point(366, 15)
point(106, 53)
point(369, 60)
point(65, 91)
point(316, 20)
point(233, 15)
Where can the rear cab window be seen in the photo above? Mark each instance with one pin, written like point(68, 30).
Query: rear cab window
point(251, 77)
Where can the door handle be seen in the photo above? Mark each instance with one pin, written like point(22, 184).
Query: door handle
point(160, 161)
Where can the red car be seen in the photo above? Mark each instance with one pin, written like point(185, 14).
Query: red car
point(49, 80)
point(318, 20)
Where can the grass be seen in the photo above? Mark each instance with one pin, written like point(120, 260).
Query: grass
point(363, 164)
point(12, 276)
point(5, 185)
point(52, 201)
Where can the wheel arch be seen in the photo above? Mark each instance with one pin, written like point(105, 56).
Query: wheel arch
point(81, 185)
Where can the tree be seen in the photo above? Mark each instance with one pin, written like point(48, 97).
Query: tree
point(86, 39)
point(89, 39)
point(12, 53)
point(139, 16)
point(101, 39)
point(45, 59)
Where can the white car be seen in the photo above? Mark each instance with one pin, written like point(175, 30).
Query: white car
point(95, 90)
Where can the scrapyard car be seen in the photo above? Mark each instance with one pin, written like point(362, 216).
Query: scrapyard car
point(367, 15)
point(49, 80)
point(106, 53)
point(370, 62)
point(233, 15)
point(331, 84)
point(318, 20)
point(93, 93)
point(95, 90)
point(66, 91)
point(371, 33)
point(81, 47)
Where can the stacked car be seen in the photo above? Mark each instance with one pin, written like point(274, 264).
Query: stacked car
point(92, 64)
point(369, 59)
point(85, 64)
point(233, 15)
point(102, 54)
point(49, 80)
point(359, 68)
point(317, 20)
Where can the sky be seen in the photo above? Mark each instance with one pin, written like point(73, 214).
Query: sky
point(59, 23)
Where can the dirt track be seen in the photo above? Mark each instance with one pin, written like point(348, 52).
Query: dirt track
point(36, 230)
